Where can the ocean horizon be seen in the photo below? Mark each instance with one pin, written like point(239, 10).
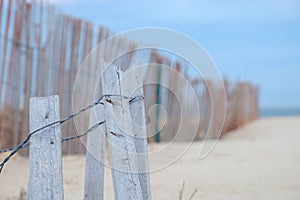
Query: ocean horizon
point(273, 112)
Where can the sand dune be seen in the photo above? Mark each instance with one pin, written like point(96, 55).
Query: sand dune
point(258, 161)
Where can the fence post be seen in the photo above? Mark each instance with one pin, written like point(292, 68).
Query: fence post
point(95, 151)
point(134, 87)
point(45, 181)
point(121, 144)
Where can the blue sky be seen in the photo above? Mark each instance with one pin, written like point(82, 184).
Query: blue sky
point(255, 40)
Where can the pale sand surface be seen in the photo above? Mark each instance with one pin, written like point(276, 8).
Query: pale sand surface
point(258, 161)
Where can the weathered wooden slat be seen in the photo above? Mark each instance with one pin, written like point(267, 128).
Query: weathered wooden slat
point(123, 157)
point(86, 78)
point(41, 54)
point(44, 49)
point(56, 53)
point(45, 181)
point(62, 73)
point(9, 95)
point(1, 48)
point(95, 157)
point(28, 71)
point(6, 128)
point(66, 84)
point(90, 70)
point(78, 94)
point(19, 71)
point(34, 43)
point(133, 86)
point(106, 46)
point(6, 42)
point(76, 31)
point(48, 66)
point(97, 90)
point(1, 11)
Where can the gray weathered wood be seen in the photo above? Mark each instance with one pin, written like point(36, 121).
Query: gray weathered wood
point(95, 159)
point(45, 181)
point(133, 86)
point(123, 157)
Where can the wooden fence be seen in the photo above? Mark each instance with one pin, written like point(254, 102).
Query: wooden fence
point(40, 54)
point(127, 144)
point(241, 102)
point(41, 50)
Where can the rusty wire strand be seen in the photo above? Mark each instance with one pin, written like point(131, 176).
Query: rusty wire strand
point(11, 149)
point(82, 135)
point(62, 140)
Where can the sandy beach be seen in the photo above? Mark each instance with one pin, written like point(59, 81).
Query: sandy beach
point(258, 161)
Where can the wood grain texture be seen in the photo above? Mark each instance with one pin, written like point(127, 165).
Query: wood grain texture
point(122, 149)
point(133, 86)
point(45, 181)
point(94, 168)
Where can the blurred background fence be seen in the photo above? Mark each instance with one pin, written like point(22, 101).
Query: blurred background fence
point(41, 50)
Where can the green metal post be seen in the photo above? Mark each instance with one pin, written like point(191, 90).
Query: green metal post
point(157, 135)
